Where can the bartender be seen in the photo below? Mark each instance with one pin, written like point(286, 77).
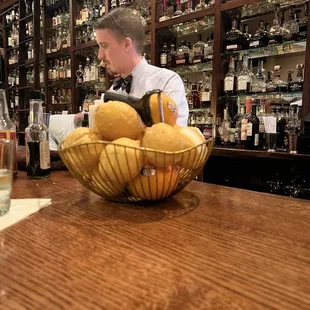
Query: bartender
point(120, 36)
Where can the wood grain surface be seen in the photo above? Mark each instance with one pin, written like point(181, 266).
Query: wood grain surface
point(210, 247)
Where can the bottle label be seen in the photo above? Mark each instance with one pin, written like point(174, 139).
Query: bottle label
point(45, 160)
point(232, 47)
point(163, 59)
point(10, 135)
point(69, 73)
point(244, 129)
point(229, 83)
point(249, 129)
point(207, 132)
point(256, 139)
point(254, 44)
point(243, 80)
point(205, 96)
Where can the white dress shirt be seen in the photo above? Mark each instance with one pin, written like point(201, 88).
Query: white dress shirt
point(146, 77)
point(60, 126)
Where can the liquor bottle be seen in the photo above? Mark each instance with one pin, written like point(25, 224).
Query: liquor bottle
point(164, 56)
point(208, 127)
point(225, 128)
point(250, 127)
point(201, 5)
point(38, 161)
point(7, 127)
point(182, 55)
point(230, 78)
point(289, 79)
point(259, 86)
point(277, 85)
point(234, 38)
point(69, 69)
point(298, 85)
point(291, 26)
point(208, 49)
point(195, 96)
point(303, 24)
point(244, 77)
point(198, 50)
point(94, 71)
point(276, 31)
point(165, 15)
point(205, 91)
point(178, 12)
point(87, 70)
point(189, 7)
point(247, 36)
point(171, 57)
point(260, 38)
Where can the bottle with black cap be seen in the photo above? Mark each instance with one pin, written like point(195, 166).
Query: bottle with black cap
point(38, 161)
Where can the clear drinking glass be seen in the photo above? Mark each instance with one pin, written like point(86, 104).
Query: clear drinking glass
point(7, 154)
point(271, 139)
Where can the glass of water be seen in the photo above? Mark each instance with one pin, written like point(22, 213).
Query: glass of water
point(7, 149)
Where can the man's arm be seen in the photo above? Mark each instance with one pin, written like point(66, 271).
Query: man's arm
point(174, 88)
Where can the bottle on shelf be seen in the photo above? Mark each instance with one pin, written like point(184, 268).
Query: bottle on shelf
point(297, 85)
point(291, 27)
point(87, 68)
point(198, 50)
point(182, 55)
point(260, 38)
point(225, 128)
point(189, 7)
point(208, 49)
point(230, 78)
point(171, 57)
point(259, 86)
point(303, 24)
point(276, 31)
point(247, 36)
point(207, 129)
point(178, 12)
point(37, 141)
point(250, 127)
point(201, 5)
point(234, 38)
point(7, 127)
point(206, 90)
point(164, 56)
point(195, 96)
point(165, 15)
point(244, 77)
point(277, 85)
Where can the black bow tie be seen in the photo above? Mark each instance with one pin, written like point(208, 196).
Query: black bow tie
point(123, 83)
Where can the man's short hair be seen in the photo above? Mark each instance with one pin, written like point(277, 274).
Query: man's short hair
point(124, 22)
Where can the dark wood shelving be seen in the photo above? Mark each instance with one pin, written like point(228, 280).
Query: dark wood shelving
point(26, 17)
point(25, 87)
point(236, 4)
point(28, 62)
point(13, 65)
point(26, 40)
point(233, 152)
point(185, 18)
point(62, 52)
point(84, 45)
point(23, 110)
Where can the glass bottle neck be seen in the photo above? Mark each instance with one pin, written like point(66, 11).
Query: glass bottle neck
point(36, 111)
point(4, 111)
point(245, 63)
point(234, 24)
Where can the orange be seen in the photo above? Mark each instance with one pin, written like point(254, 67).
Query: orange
point(170, 109)
point(115, 119)
point(157, 186)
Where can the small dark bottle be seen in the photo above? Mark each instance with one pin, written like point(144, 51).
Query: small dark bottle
point(298, 85)
point(85, 121)
point(260, 38)
point(247, 36)
point(38, 162)
point(163, 56)
point(171, 57)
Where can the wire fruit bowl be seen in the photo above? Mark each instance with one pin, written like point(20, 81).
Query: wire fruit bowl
point(133, 174)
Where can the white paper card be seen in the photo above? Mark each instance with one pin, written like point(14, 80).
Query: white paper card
point(270, 123)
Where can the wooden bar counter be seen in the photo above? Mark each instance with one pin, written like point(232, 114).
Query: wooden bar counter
point(209, 247)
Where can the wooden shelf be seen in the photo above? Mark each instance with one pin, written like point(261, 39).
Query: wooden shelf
point(25, 87)
point(236, 4)
point(185, 18)
point(62, 52)
point(240, 153)
point(28, 62)
point(26, 17)
point(84, 45)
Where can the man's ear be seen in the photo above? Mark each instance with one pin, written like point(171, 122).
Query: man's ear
point(128, 44)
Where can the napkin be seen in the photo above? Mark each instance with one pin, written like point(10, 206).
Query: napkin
point(20, 209)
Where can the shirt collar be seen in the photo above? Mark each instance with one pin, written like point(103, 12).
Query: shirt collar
point(137, 72)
